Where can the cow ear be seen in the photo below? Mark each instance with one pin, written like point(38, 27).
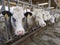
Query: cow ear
point(30, 13)
point(27, 13)
point(7, 12)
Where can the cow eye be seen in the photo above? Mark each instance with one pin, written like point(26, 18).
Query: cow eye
point(14, 19)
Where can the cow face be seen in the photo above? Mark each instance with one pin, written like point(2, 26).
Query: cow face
point(46, 15)
point(39, 17)
point(40, 20)
point(18, 16)
point(52, 19)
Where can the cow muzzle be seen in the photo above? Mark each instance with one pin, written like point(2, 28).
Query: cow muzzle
point(19, 32)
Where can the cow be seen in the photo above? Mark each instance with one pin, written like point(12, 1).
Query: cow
point(18, 15)
point(48, 17)
point(39, 17)
point(57, 16)
point(16, 19)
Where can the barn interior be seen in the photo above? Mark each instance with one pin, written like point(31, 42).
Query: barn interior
point(41, 20)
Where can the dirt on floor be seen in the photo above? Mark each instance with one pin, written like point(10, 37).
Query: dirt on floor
point(50, 36)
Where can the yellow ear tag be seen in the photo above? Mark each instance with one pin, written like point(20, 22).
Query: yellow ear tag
point(6, 15)
point(28, 15)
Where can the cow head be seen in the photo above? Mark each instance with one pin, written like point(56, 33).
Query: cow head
point(52, 19)
point(39, 17)
point(16, 20)
point(46, 15)
point(18, 15)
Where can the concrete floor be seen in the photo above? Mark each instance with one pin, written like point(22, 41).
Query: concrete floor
point(50, 36)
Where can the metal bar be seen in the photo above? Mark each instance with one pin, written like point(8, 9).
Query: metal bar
point(21, 2)
point(3, 5)
point(8, 5)
point(30, 1)
point(17, 2)
point(25, 3)
point(56, 3)
point(49, 3)
point(6, 29)
point(27, 36)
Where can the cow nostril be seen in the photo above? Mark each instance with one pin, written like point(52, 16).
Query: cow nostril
point(20, 32)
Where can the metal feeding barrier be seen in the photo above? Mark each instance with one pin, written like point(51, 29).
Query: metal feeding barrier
point(6, 33)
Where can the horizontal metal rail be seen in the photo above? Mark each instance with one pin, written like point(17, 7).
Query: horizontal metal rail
point(15, 41)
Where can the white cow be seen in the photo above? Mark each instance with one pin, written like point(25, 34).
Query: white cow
point(18, 15)
point(48, 17)
point(39, 17)
point(52, 19)
point(57, 16)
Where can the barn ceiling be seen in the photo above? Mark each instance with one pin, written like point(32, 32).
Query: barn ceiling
point(42, 1)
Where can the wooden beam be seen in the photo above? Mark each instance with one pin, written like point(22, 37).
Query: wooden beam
point(11, 3)
point(51, 8)
point(42, 4)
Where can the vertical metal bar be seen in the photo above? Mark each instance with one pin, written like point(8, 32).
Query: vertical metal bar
point(3, 9)
point(30, 1)
point(8, 5)
point(56, 3)
point(49, 4)
point(17, 2)
point(9, 25)
point(3, 5)
point(6, 29)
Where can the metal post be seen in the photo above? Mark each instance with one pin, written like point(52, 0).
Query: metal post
point(3, 5)
point(30, 1)
point(8, 5)
point(17, 2)
point(49, 5)
point(57, 3)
